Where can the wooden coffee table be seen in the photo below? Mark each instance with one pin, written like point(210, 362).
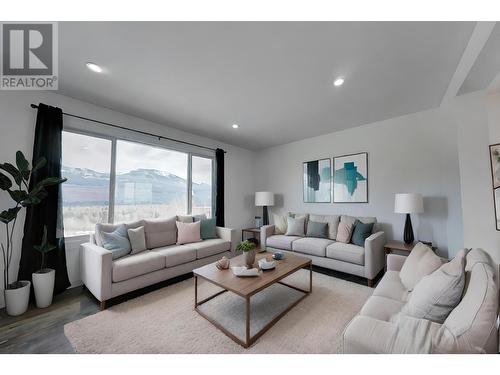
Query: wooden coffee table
point(246, 287)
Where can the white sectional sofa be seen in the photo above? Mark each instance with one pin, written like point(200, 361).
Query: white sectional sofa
point(365, 261)
point(471, 327)
point(107, 278)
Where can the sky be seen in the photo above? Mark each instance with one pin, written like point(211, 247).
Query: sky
point(81, 151)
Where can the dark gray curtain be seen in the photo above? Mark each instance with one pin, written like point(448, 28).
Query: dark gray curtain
point(48, 138)
point(219, 189)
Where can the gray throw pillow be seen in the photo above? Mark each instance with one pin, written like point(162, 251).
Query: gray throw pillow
point(316, 229)
point(137, 239)
point(117, 242)
point(295, 227)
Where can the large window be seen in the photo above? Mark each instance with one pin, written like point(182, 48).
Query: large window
point(86, 163)
point(151, 182)
point(113, 180)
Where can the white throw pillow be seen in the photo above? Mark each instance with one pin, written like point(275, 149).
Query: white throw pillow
point(295, 227)
point(188, 232)
point(421, 262)
point(437, 294)
point(280, 224)
point(137, 239)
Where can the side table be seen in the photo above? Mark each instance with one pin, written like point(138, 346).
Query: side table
point(255, 232)
point(392, 245)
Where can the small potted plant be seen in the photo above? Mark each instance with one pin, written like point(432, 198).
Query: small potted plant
point(43, 279)
point(248, 249)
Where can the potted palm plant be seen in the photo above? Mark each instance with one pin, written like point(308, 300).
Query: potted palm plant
point(16, 183)
point(248, 249)
point(43, 279)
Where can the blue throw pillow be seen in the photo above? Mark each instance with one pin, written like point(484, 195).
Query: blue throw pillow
point(361, 232)
point(207, 229)
point(117, 241)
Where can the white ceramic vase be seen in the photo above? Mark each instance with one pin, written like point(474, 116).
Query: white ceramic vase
point(43, 284)
point(16, 300)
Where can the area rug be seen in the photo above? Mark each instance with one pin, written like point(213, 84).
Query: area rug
point(164, 321)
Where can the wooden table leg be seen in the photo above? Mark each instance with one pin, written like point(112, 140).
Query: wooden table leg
point(195, 291)
point(247, 340)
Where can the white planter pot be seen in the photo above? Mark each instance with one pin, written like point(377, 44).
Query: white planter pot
point(43, 284)
point(16, 300)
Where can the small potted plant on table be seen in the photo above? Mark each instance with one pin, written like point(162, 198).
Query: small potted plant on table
point(248, 249)
point(43, 279)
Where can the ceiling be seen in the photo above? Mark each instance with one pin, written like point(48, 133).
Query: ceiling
point(274, 79)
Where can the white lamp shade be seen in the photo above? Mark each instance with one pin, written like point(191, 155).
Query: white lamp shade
point(408, 203)
point(264, 198)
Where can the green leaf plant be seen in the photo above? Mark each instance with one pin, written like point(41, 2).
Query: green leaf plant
point(15, 181)
point(245, 246)
point(44, 248)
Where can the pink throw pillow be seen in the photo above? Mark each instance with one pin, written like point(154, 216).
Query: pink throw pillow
point(188, 232)
point(344, 232)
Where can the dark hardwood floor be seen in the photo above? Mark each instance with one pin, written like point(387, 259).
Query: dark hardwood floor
point(41, 331)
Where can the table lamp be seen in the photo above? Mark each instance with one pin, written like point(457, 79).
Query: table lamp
point(264, 199)
point(408, 203)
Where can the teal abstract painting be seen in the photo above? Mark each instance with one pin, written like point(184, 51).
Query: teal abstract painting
point(317, 182)
point(350, 178)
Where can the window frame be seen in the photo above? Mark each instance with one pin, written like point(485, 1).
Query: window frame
point(189, 151)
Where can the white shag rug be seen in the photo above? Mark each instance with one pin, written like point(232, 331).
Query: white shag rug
point(164, 321)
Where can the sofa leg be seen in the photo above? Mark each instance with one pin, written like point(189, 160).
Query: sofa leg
point(103, 305)
point(370, 283)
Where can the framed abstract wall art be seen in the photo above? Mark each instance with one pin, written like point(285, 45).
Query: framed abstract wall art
point(350, 178)
point(317, 184)
point(495, 179)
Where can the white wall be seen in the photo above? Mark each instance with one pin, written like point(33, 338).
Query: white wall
point(414, 153)
point(17, 123)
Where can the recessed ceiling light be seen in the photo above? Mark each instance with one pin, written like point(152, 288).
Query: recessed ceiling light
point(338, 82)
point(235, 126)
point(94, 67)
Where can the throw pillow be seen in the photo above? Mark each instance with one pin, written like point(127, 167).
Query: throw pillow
point(295, 227)
point(207, 229)
point(199, 217)
point(188, 232)
point(344, 232)
point(280, 224)
point(421, 262)
point(137, 239)
point(117, 241)
point(333, 223)
point(437, 294)
point(361, 232)
point(316, 229)
point(300, 216)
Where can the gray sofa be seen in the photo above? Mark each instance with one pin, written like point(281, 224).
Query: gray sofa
point(365, 261)
point(471, 327)
point(106, 278)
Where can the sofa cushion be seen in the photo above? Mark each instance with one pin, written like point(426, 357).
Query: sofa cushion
point(421, 262)
point(381, 308)
point(188, 232)
point(361, 232)
point(295, 227)
point(311, 246)
point(346, 252)
point(136, 265)
point(185, 218)
point(137, 239)
point(344, 232)
point(437, 294)
point(280, 241)
point(333, 223)
point(117, 241)
point(108, 228)
point(364, 219)
point(317, 229)
point(177, 254)
point(211, 247)
point(160, 232)
point(390, 286)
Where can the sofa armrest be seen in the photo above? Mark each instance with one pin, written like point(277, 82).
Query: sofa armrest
point(96, 265)
point(374, 254)
point(227, 234)
point(395, 262)
point(265, 231)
